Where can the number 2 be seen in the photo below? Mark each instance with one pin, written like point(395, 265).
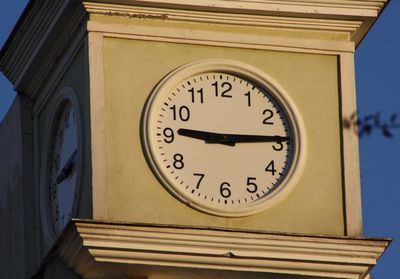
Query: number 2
point(268, 115)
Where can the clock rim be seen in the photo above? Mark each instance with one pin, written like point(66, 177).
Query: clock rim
point(260, 78)
point(65, 95)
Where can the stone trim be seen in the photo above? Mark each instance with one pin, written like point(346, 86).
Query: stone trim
point(45, 28)
point(87, 246)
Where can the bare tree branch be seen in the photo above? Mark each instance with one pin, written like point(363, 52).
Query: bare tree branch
point(370, 122)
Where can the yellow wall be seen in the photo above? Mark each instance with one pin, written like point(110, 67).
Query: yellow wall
point(133, 67)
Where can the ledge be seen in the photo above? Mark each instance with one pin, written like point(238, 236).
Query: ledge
point(354, 17)
point(320, 8)
point(38, 42)
point(46, 28)
point(92, 248)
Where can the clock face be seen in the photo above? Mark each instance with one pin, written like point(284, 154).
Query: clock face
point(63, 168)
point(219, 140)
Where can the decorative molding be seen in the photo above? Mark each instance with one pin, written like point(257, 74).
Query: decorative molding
point(49, 79)
point(254, 20)
point(25, 38)
point(45, 29)
point(66, 43)
point(88, 247)
point(38, 42)
point(355, 17)
point(335, 8)
point(226, 39)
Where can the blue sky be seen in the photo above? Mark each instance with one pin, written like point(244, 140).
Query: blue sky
point(378, 76)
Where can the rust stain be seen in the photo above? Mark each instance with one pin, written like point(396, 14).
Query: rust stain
point(140, 16)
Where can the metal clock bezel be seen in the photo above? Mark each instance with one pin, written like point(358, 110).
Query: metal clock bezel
point(250, 73)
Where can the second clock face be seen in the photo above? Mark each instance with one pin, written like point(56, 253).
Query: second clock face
point(63, 172)
point(220, 142)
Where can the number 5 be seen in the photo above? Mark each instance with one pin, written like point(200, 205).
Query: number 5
point(254, 187)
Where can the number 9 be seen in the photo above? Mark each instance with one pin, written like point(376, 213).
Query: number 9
point(169, 135)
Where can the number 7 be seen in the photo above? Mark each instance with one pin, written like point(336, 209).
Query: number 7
point(201, 178)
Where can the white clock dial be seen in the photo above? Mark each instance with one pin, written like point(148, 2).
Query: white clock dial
point(220, 141)
point(63, 170)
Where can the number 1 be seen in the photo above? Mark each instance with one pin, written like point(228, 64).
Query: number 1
point(248, 99)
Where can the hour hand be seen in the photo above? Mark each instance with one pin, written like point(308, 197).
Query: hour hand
point(228, 139)
point(208, 137)
point(68, 167)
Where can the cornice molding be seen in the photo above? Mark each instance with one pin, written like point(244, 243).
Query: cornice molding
point(42, 35)
point(354, 17)
point(89, 246)
point(318, 8)
point(228, 18)
point(46, 28)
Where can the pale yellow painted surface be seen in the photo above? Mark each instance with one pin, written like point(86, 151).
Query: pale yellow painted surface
point(132, 69)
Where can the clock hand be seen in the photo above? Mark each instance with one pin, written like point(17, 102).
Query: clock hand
point(67, 169)
point(202, 135)
point(208, 137)
point(228, 139)
point(247, 138)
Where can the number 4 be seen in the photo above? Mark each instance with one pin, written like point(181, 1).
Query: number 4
point(271, 167)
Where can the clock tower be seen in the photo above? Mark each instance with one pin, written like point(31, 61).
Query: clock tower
point(175, 139)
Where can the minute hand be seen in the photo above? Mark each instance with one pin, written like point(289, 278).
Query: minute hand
point(229, 139)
